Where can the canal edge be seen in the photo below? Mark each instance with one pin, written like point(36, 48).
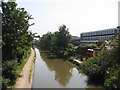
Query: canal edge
point(33, 67)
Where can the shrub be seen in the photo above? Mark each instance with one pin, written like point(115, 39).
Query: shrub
point(91, 46)
point(112, 78)
point(5, 83)
point(71, 58)
point(9, 72)
point(104, 68)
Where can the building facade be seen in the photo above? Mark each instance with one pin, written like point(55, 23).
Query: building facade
point(96, 36)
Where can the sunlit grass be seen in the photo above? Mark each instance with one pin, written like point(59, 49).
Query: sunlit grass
point(20, 67)
point(32, 68)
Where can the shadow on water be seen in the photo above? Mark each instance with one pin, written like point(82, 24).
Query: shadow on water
point(61, 68)
point(58, 66)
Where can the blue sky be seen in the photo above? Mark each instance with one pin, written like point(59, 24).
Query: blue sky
point(78, 15)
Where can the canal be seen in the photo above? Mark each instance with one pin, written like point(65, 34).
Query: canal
point(51, 72)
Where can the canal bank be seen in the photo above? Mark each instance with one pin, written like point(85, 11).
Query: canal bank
point(31, 74)
point(51, 72)
point(24, 81)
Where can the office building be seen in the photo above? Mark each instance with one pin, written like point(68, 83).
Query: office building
point(96, 36)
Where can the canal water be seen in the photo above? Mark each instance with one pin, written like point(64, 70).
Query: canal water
point(56, 73)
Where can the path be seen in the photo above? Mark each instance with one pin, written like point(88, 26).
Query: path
point(23, 82)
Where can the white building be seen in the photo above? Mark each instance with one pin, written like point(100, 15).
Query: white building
point(96, 36)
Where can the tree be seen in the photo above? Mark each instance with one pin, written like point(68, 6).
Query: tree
point(45, 41)
point(17, 40)
point(57, 42)
point(61, 40)
point(15, 24)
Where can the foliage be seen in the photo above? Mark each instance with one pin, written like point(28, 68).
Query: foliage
point(82, 49)
point(112, 78)
point(105, 68)
point(100, 43)
point(15, 29)
point(70, 50)
point(45, 41)
point(17, 40)
point(58, 42)
point(9, 72)
point(91, 46)
point(71, 58)
point(96, 65)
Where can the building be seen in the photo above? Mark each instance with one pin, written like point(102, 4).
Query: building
point(96, 36)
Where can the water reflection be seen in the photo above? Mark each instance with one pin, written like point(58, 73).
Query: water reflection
point(57, 73)
point(60, 67)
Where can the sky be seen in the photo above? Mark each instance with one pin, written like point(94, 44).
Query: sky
point(78, 15)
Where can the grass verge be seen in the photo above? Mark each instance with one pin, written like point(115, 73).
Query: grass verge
point(32, 68)
point(20, 67)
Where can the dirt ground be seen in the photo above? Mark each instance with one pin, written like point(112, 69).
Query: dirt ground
point(23, 81)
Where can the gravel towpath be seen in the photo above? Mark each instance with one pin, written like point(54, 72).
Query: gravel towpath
point(23, 81)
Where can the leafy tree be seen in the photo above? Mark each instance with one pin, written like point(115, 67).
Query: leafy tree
point(15, 29)
point(61, 40)
point(45, 41)
point(57, 42)
point(69, 51)
point(17, 40)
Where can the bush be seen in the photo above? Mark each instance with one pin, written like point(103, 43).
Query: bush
point(71, 58)
point(96, 65)
point(91, 46)
point(5, 83)
point(112, 78)
point(66, 54)
point(9, 72)
point(104, 69)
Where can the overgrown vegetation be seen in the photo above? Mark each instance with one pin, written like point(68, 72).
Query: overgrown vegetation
point(32, 69)
point(17, 41)
point(105, 68)
point(82, 49)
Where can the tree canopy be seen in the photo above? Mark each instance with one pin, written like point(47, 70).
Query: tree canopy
point(17, 40)
point(57, 42)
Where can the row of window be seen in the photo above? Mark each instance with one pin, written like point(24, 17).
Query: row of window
point(108, 31)
point(98, 37)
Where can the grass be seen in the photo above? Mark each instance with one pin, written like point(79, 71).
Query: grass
point(30, 74)
point(20, 67)
point(31, 69)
